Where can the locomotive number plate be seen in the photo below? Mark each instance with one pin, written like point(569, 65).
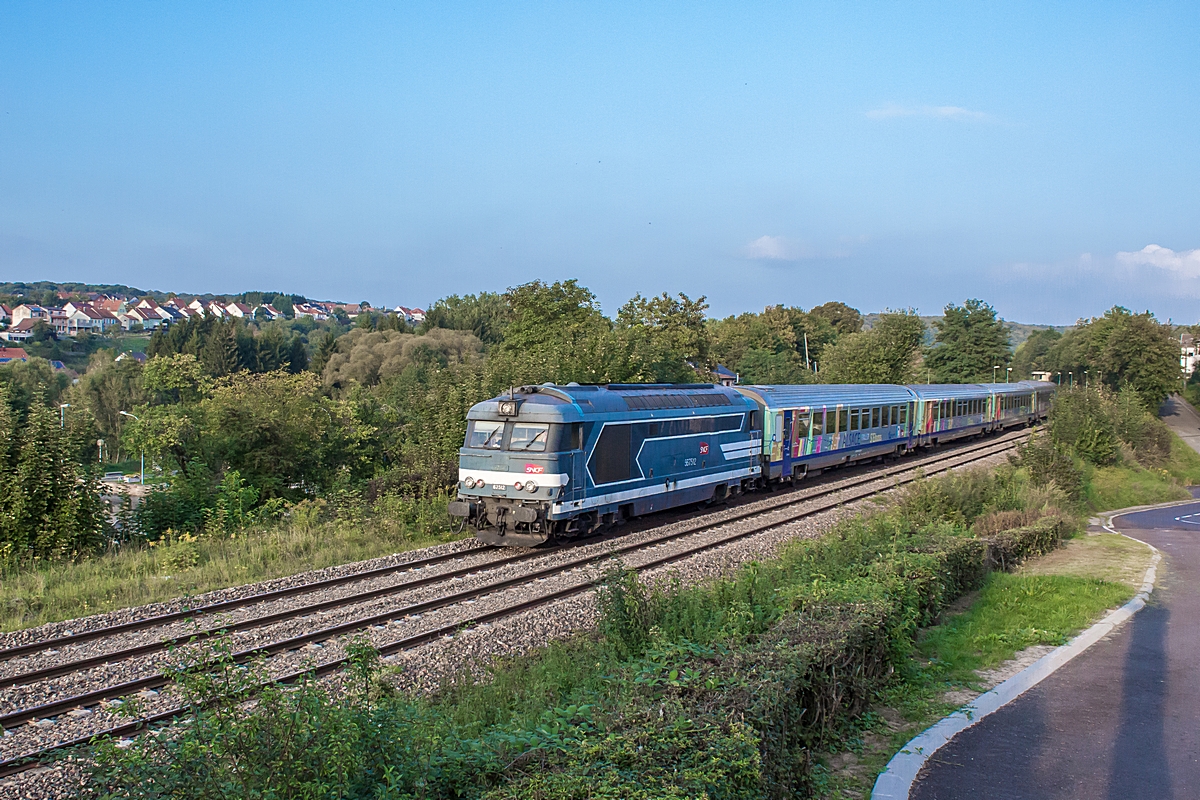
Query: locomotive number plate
point(499, 487)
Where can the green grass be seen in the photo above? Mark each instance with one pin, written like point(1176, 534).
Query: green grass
point(138, 575)
point(1014, 612)
point(1124, 486)
point(1184, 464)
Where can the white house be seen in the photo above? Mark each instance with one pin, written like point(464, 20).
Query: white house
point(239, 310)
point(83, 317)
point(306, 310)
point(269, 311)
point(1187, 353)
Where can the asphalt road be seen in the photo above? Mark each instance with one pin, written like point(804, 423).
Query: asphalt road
point(1183, 419)
point(1121, 721)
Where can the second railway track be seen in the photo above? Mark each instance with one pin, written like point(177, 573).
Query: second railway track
point(773, 513)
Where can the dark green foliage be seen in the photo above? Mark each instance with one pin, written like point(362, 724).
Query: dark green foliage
point(1009, 548)
point(1034, 354)
point(1116, 350)
point(1050, 462)
point(781, 344)
point(32, 381)
point(1103, 428)
point(50, 504)
point(224, 347)
point(887, 353)
point(969, 343)
point(485, 314)
point(1079, 420)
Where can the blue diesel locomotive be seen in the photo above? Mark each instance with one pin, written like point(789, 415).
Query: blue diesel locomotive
point(560, 461)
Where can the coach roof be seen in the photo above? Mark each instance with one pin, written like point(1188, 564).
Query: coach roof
point(828, 395)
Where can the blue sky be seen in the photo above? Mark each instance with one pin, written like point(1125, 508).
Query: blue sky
point(882, 154)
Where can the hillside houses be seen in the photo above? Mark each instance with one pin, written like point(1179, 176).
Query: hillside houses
point(99, 314)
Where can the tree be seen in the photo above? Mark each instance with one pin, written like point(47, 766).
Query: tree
point(970, 341)
point(485, 314)
point(778, 344)
point(220, 354)
point(108, 388)
point(325, 349)
point(887, 353)
point(665, 337)
point(50, 505)
point(1120, 349)
point(840, 316)
point(1134, 350)
point(1033, 355)
point(556, 333)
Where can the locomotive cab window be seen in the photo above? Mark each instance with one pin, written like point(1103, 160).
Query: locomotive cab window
point(528, 436)
point(486, 435)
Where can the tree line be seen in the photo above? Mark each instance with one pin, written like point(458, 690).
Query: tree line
point(245, 417)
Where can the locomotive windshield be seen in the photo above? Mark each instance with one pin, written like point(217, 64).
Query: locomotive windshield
point(529, 436)
point(523, 437)
point(486, 435)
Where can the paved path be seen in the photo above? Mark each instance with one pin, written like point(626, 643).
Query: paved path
point(1183, 419)
point(1121, 721)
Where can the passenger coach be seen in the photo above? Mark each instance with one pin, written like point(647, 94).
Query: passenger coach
point(810, 427)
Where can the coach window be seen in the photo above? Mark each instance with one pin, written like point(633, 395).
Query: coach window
point(486, 435)
point(818, 423)
point(853, 420)
point(799, 425)
point(875, 421)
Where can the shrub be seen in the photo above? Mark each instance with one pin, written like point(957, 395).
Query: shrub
point(1007, 549)
point(1050, 463)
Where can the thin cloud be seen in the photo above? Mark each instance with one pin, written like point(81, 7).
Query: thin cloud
point(958, 113)
point(777, 248)
point(1184, 262)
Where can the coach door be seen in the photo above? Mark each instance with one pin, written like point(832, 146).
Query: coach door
point(787, 444)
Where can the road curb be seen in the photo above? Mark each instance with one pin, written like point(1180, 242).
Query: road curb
point(897, 779)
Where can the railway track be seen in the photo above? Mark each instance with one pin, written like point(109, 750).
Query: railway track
point(762, 516)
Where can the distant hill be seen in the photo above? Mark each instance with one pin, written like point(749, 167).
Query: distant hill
point(37, 288)
point(1020, 330)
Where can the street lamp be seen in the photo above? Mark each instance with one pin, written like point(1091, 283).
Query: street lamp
point(1058, 375)
point(1085, 378)
point(62, 414)
point(994, 373)
point(1070, 380)
point(142, 477)
point(1007, 372)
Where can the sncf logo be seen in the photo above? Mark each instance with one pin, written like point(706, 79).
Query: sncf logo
point(534, 469)
point(704, 448)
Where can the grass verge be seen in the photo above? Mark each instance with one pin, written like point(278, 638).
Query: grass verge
point(1047, 601)
point(137, 575)
point(1126, 485)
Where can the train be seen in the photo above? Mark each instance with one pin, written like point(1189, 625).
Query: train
point(551, 462)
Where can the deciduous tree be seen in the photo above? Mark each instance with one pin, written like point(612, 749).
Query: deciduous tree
point(970, 341)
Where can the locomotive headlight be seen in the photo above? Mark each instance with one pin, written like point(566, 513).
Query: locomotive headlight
point(530, 486)
point(469, 483)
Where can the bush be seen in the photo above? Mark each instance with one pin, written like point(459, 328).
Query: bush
point(1007, 549)
point(1050, 463)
